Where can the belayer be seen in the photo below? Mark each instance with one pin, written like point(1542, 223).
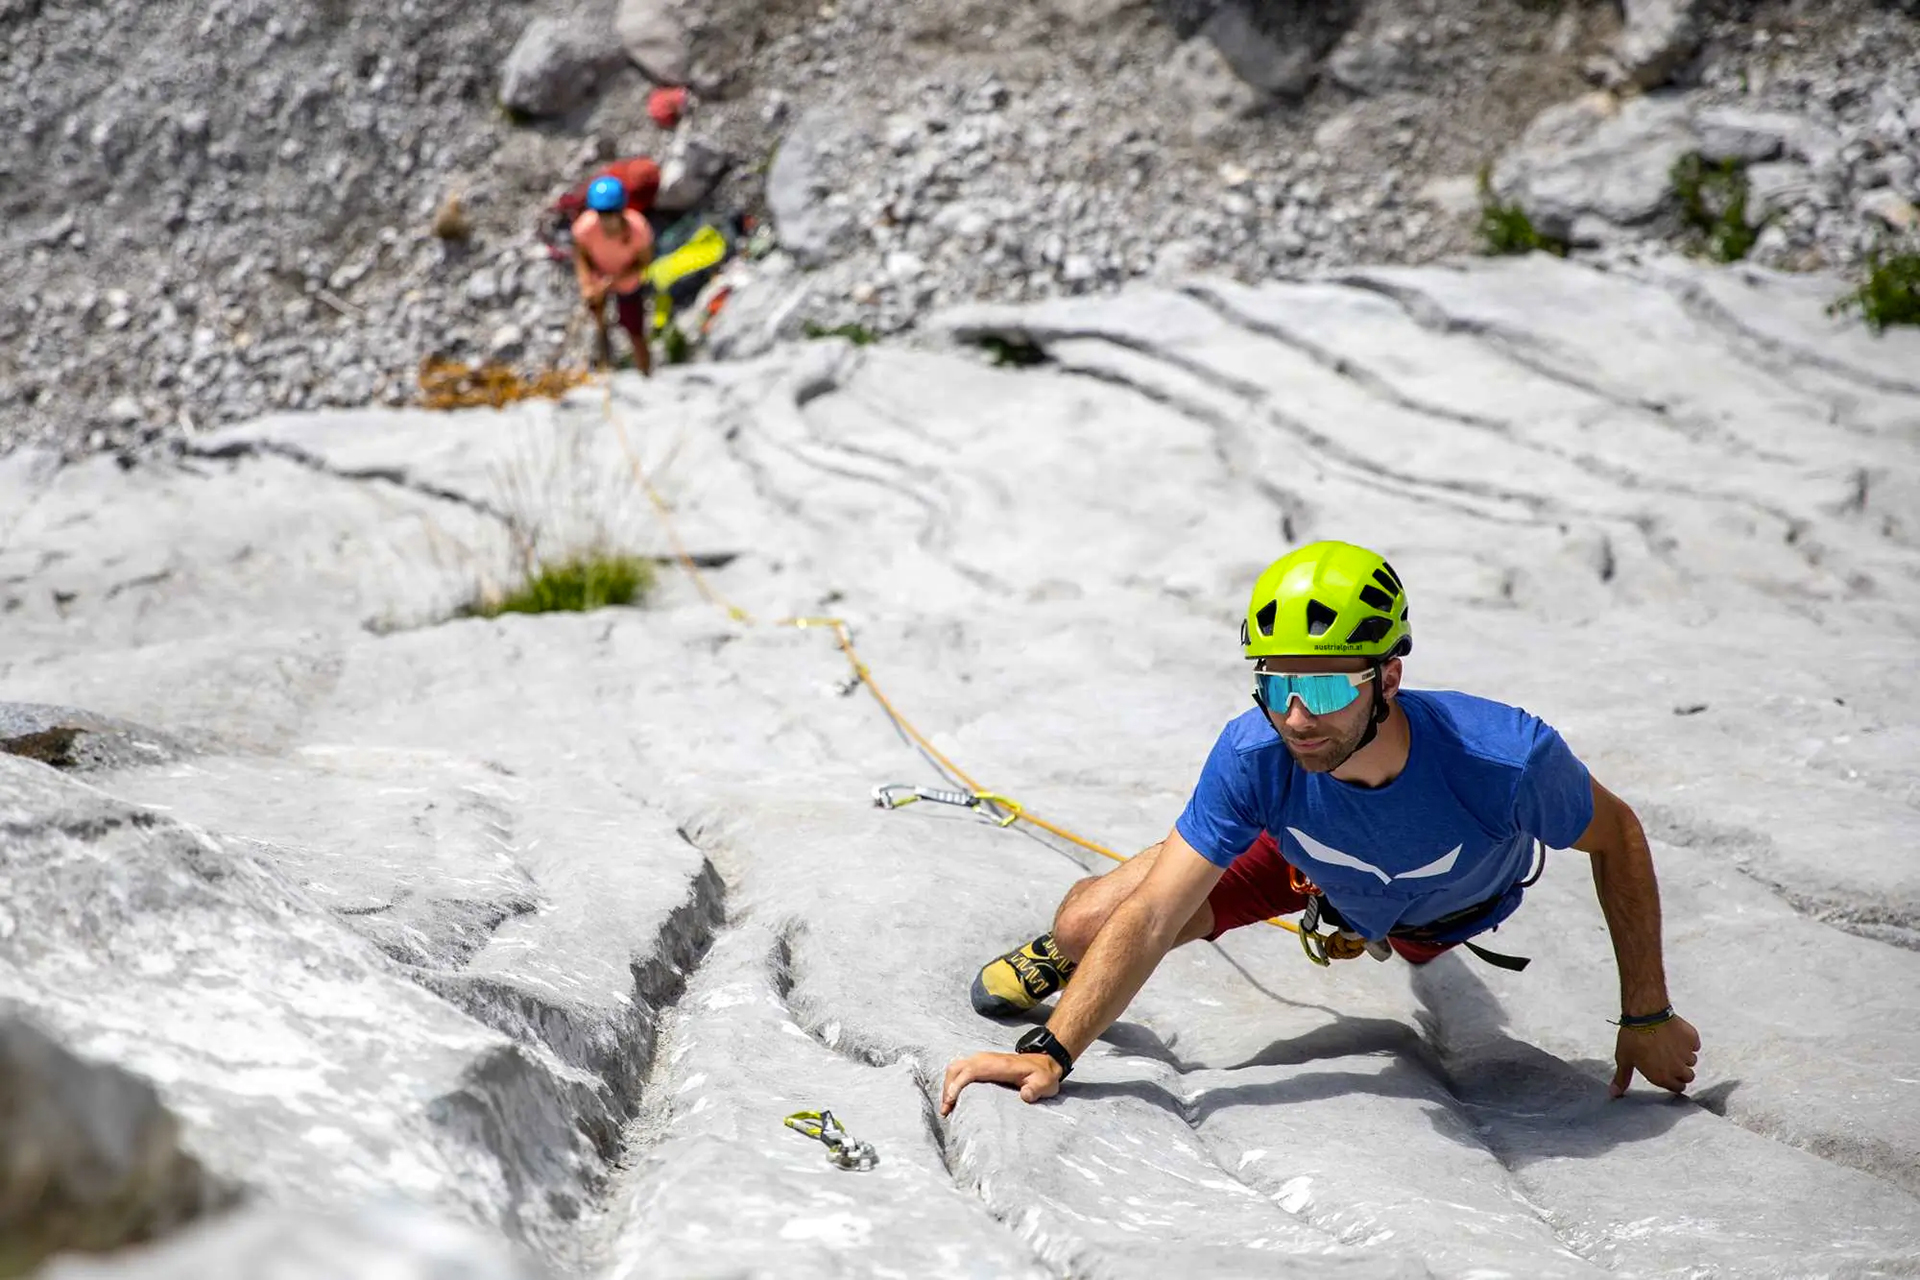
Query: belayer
point(1406, 818)
point(612, 247)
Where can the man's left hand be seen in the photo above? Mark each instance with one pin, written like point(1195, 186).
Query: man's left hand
point(1664, 1055)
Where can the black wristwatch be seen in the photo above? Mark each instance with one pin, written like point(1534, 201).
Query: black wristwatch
point(1040, 1040)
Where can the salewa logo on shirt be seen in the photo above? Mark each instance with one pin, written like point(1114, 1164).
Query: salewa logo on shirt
point(1337, 858)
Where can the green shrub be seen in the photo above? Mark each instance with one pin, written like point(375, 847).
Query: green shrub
point(1889, 295)
point(1713, 203)
point(1505, 229)
point(858, 334)
point(590, 580)
point(674, 345)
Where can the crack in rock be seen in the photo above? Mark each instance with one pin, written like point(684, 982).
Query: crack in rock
point(780, 969)
point(396, 476)
point(615, 1050)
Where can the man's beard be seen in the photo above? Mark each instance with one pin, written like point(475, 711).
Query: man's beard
point(1335, 751)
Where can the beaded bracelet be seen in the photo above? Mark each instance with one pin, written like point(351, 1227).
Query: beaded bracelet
point(1645, 1021)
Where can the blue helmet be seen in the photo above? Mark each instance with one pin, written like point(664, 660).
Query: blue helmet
point(607, 195)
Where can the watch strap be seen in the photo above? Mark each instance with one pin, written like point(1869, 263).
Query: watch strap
point(1041, 1040)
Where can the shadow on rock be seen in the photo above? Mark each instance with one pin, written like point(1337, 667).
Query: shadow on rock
point(1526, 1103)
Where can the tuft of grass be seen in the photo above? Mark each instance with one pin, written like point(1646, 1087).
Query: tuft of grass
point(1713, 203)
point(675, 347)
point(581, 582)
point(1889, 295)
point(858, 334)
point(1505, 229)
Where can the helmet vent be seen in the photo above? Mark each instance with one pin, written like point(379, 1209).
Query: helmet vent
point(1371, 630)
point(1266, 615)
point(1377, 598)
point(1388, 578)
point(1319, 618)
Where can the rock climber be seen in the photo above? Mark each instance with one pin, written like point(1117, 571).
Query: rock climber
point(612, 246)
point(1405, 818)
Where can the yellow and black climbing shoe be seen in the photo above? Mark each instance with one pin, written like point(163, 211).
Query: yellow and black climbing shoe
point(1022, 978)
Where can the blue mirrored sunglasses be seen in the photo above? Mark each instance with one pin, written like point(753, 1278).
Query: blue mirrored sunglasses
point(1321, 694)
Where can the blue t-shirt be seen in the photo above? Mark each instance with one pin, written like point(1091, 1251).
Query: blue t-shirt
point(1483, 780)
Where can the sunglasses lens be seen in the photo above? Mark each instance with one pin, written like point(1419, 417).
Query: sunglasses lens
point(1321, 694)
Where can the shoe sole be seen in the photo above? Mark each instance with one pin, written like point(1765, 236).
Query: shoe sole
point(989, 1005)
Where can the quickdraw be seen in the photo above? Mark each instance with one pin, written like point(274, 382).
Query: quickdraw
point(898, 795)
point(843, 1151)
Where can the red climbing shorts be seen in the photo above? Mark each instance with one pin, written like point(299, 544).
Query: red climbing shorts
point(1259, 886)
point(633, 310)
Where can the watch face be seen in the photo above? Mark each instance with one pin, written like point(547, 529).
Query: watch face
point(1029, 1042)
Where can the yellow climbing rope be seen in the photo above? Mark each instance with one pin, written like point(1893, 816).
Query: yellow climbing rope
point(1011, 811)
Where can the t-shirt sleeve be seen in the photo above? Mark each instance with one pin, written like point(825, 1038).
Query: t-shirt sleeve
point(1220, 821)
point(1554, 801)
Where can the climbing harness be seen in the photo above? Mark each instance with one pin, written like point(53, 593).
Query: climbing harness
point(843, 1150)
point(1324, 948)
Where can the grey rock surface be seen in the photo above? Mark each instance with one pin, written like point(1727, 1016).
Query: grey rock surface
point(91, 1160)
point(544, 923)
point(390, 1242)
point(72, 739)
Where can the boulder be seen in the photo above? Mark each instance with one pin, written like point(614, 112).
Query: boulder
point(1776, 186)
point(1588, 170)
point(813, 226)
point(558, 64)
point(1277, 48)
point(654, 35)
point(89, 1157)
point(1734, 133)
point(690, 176)
point(681, 42)
point(1374, 62)
point(1659, 38)
point(1212, 97)
point(1891, 209)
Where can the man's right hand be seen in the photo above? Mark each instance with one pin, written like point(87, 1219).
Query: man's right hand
point(1036, 1075)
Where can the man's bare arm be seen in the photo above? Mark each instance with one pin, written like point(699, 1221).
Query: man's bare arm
point(1122, 956)
point(1132, 943)
point(586, 273)
point(1629, 893)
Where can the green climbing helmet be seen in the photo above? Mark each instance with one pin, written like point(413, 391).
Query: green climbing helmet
point(1329, 598)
